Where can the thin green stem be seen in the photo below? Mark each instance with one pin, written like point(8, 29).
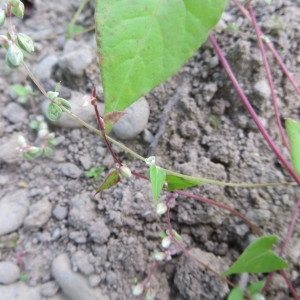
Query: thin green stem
point(78, 12)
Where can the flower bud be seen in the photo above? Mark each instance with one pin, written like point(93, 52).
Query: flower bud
point(138, 289)
point(125, 171)
point(161, 208)
point(159, 256)
point(22, 141)
point(14, 56)
point(52, 95)
point(258, 297)
point(166, 242)
point(25, 42)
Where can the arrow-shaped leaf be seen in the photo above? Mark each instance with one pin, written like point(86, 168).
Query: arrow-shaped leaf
point(258, 258)
point(179, 183)
point(157, 179)
point(143, 42)
point(110, 180)
point(111, 119)
point(293, 132)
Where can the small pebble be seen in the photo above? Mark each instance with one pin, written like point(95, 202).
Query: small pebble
point(70, 170)
point(9, 272)
point(74, 286)
point(134, 121)
point(14, 113)
point(13, 210)
point(60, 212)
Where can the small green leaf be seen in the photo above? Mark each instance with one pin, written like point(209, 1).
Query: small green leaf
point(73, 29)
point(65, 103)
point(236, 294)
point(179, 183)
point(111, 179)
point(54, 112)
point(25, 42)
point(256, 287)
point(14, 56)
point(18, 9)
point(293, 132)
point(258, 258)
point(20, 90)
point(2, 17)
point(95, 172)
point(157, 178)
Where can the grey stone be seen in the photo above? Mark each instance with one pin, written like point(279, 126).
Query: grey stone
point(86, 161)
point(76, 58)
point(99, 232)
point(39, 214)
point(44, 68)
point(14, 113)
point(9, 272)
point(49, 289)
point(262, 89)
point(70, 170)
point(86, 113)
point(8, 150)
point(74, 286)
point(19, 291)
point(82, 211)
point(134, 122)
point(94, 280)
point(81, 261)
point(60, 212)
point(13, 210)
point(80, 237)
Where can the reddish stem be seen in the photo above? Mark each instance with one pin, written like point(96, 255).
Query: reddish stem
point(233, 211)
point(272, 49)
point(251, 111)
point(269, 77)
point(187, 253)
point(102, 128)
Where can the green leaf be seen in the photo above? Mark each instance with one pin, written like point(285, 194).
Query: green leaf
point(157, 178)
point(111, 179)
point(54, 112)
point(25, 42)
point(65, 103)
point(179, 183)
point(18, 10)
point(236, 294)
point(95, 172)
point(14, 56)
point(258, 258)
point(20, 90)
point(73, 30)
point(142, 43)
point(256, 287)
point(293, 132)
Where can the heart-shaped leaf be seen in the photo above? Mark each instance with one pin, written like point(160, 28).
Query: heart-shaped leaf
point(258, 258)
point(142, 43)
